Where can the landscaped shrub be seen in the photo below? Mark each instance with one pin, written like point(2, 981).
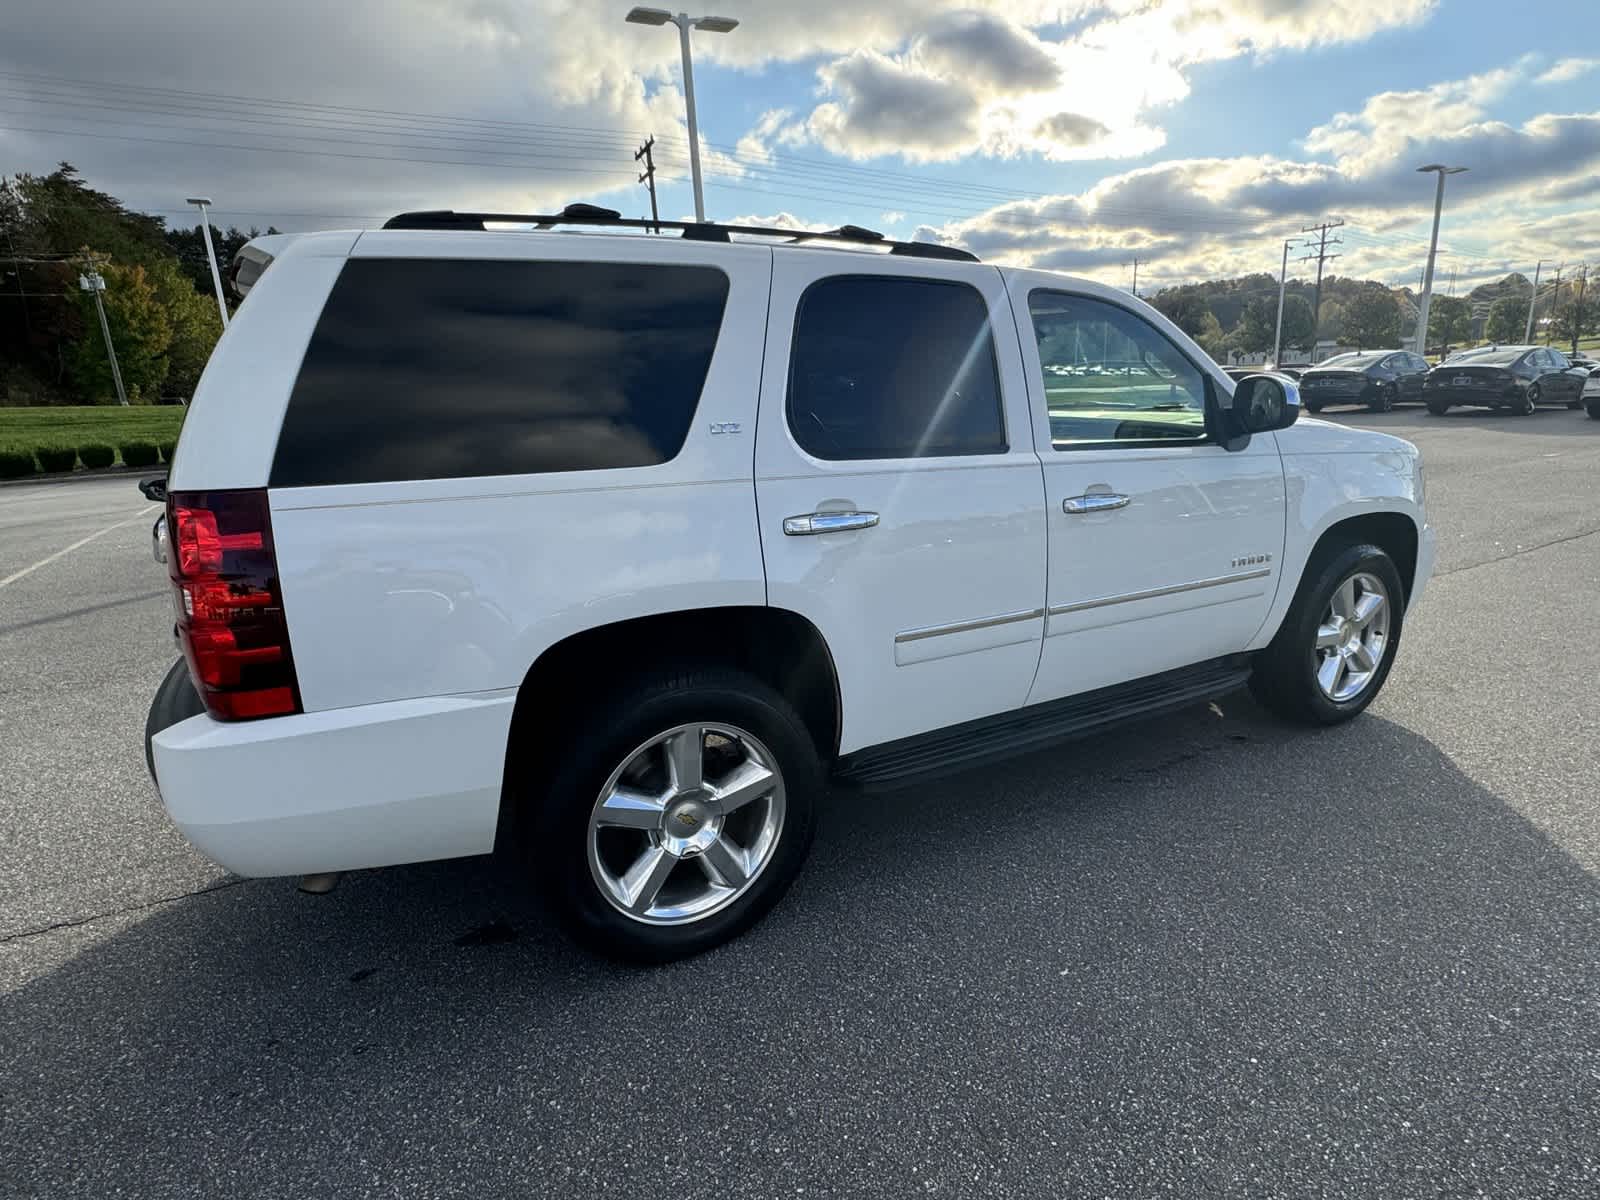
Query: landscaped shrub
point(97, 454)
point(14, 464)
point(57, 458)
point(139, 453)
point(167, 449)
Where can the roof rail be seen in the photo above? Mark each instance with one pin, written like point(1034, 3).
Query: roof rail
point(698, 231)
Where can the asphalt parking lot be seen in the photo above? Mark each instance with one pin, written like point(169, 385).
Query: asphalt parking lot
point(1209, 956)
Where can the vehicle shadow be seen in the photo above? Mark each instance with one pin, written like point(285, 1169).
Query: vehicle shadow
point(1211, 955)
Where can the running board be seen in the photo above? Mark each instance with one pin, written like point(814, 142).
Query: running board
point(1013, 733)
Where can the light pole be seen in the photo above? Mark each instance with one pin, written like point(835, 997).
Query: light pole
point(211, 255)
point(1527, 337)
point(684, 22)
point(1283, 281)
point(1433, 247)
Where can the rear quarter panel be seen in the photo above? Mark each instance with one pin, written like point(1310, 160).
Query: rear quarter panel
point(231, 428)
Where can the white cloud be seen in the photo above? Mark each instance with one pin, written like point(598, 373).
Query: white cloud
point(1192, 218)
point(994, 87)
point(887, 106)
point(1568, 69)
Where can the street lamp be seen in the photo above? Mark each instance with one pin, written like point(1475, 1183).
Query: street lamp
point(1433, 247)
point(200, 202)
point(684, 22)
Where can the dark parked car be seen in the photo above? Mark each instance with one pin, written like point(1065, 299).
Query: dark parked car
point(1380, 379)
point(1519, 378)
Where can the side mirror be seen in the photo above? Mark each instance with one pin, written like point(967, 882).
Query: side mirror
point(154, 489)
point(1262, 403)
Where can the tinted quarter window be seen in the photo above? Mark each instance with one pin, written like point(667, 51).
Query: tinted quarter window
point(883, 367)
point(443, 368)
point(1111, 376)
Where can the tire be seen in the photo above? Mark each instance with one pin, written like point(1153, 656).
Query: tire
point(1286, 676)
point(582, 869)
point(1312, 406)
point(1383, 401)
point(1438, 407)
point(175, 700)
point(1573, 405)
point(1529, 401)
point(1592, 407)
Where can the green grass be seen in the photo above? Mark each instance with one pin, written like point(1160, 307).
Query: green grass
point(26, 429)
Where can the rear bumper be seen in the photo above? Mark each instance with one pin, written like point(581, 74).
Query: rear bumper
point(1481, 397)
point(1342, 394)
point(358, 787)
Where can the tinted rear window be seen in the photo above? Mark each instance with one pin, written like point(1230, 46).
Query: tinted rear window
point(884, 367)
point(443, 368)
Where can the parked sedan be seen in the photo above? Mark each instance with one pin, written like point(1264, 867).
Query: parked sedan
point(1519, 378)
point(1378, 379)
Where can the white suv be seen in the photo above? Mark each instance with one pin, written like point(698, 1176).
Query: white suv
point(617, 548)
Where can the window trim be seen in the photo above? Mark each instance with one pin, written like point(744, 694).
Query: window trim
point(994, 356)
point(1211, 436)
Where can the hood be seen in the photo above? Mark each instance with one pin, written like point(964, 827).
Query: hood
point(1309, 435)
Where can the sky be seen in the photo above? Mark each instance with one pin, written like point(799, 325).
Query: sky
point(1195, 136)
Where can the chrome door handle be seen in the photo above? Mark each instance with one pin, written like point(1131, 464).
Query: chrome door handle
point(1093, 502)
point(828, 522)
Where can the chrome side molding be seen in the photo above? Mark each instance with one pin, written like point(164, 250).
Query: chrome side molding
point(1173, 589)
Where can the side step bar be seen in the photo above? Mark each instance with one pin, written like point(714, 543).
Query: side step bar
point(1013, 733)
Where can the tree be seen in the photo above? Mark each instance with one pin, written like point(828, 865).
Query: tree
point(1210, 336)
point(1576, 314)
point(194, 322)
point(1507, 319)
point(1185, 308)
point(1449, 320)
point(141, 331)
point(1371, 320)
point(1330, 322)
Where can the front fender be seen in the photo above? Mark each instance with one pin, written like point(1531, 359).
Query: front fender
point(1323, 490)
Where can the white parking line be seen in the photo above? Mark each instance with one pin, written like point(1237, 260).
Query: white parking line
point(45, 562)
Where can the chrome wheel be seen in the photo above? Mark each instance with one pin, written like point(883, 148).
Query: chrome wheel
point(686, 824)
point(1352, 637)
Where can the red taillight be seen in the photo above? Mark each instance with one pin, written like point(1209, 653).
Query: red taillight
point(230, 607)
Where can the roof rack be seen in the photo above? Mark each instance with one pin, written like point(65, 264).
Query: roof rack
point(696, 231)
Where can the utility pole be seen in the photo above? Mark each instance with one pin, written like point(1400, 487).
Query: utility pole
point(1321, 256)
point(1452, 279)
point(1136, 276)
point(1283, 282)
point(16, 267)
point(649, 177)
point(1577, 306)
point(1527, 337)
point(1555, 304)
point(92, 281)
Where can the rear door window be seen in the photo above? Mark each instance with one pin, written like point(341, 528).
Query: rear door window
point(443, 368)
point(890, 367)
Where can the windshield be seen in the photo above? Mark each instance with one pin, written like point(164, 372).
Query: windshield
point(1355, 359)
